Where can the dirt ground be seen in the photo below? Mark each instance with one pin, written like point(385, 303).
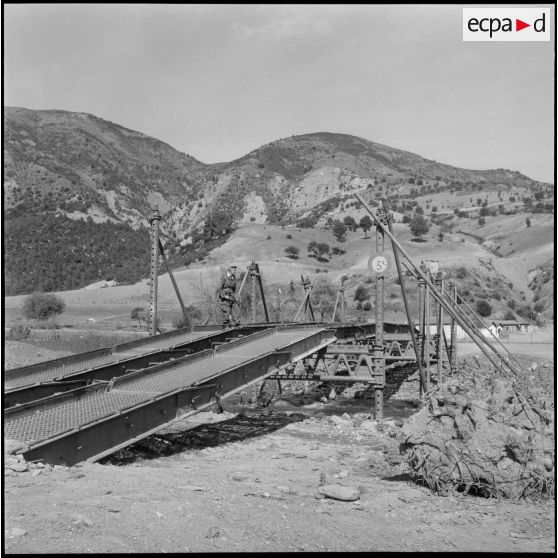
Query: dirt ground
point(253, 479)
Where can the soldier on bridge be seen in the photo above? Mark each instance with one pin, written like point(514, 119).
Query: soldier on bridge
point(227, 288)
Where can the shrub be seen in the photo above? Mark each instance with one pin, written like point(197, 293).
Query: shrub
point(139, 314)
point(367, 306)
point(193, 315)
point(292, 252)
point(361, 294)
point(19, 333)
point(339, 230)
point(483, 308)
point(42, 306)
point(419, 226)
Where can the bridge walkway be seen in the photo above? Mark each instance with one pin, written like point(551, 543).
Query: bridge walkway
point(92, 421)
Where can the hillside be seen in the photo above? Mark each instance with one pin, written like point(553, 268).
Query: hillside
point(64, 165)
point(79, 164)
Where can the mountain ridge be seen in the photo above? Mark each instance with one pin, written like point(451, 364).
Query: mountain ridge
point(81, 167)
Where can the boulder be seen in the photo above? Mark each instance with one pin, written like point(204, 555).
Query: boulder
point(339, 492)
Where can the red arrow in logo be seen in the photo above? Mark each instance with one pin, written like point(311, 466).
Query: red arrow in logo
point(519, 25)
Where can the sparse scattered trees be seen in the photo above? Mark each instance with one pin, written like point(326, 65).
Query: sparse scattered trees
point(292, 252)
point(139, 314)
point(339, 230)
point(361, 294)
point(350, 223)
point(419, 226)
point(319, 250)
point(42, 306)
point(365, 224)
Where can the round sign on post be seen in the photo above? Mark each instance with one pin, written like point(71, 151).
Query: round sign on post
point(379, 264)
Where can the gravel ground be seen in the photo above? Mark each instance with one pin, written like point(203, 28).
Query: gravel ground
point(258, 480)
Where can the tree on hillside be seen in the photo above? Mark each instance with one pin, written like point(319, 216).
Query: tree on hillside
point(350, 223)
point(483, 308)
point(139, 314)
point(361, 294)
point(292, 252)
point(419, 226)
point(339, 230)
point(218, 223)
point(365, 224)
point(319, 250)
point(42, 306)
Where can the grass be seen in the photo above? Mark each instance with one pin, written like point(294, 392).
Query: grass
point(79, 343)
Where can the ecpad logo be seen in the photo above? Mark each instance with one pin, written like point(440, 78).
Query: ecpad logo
point(506, 24)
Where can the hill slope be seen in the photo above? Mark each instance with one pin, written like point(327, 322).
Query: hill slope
point(75, 162)
point(64, 165)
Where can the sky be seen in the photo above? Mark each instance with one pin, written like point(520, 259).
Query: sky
point(217, 81)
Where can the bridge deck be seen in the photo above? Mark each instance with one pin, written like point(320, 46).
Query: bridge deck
point(78, 410)
point(55, 369)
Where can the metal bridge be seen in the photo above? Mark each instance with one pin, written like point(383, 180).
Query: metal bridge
point(91, 421)
point(86, 406)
